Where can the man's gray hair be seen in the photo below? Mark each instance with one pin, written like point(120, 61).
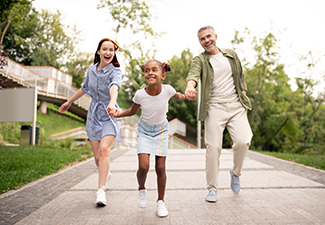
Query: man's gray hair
point(204, 28)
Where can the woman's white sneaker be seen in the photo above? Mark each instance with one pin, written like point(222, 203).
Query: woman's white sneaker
point(161, 209)
point(142, 198)
point(101, 197)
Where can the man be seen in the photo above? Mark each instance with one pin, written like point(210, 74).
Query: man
point(223, 104)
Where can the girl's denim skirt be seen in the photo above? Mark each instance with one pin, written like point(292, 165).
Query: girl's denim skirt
point(152, 139)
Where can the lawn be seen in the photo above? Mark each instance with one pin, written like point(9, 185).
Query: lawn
point(20, 165)
point(316, 161)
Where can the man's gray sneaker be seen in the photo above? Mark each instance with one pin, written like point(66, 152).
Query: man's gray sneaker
point(235, 183)
point(211, 196)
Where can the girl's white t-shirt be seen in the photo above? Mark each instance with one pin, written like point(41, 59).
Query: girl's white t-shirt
point(223, 88)
point(154, 108)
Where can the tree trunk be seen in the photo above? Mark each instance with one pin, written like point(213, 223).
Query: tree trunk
point(3, 34)
point(257, 95)
point(273, 136)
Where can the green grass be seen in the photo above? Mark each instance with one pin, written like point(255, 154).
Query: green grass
point(20, 165)
point(51, 123)
point(316, 161)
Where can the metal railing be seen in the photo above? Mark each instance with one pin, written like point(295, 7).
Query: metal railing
point(51, 72)
point(26, 76)
point(177, 143)
point(45, 85)
point(129, 135)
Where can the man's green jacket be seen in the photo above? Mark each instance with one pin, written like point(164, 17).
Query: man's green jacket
point(202, 69)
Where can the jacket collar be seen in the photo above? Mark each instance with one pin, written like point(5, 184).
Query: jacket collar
point(225, 53)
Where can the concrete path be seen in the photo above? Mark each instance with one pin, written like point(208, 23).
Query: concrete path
point(273, 192)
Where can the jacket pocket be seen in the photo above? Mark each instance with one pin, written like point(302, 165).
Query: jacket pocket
point(245, 101)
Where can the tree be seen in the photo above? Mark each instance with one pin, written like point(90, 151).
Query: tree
point(132, 18)
point(78, 66)
point(53, 46)
point(272, 115)
point(311, 104)
point(183, 110)
point(133, 15)
point(40, 39)
point(10, 10)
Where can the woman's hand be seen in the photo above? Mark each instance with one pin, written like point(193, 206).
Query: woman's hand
point(112, 110)
point(64, 107)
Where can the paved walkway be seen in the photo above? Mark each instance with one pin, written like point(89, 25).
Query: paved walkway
point(273, 192)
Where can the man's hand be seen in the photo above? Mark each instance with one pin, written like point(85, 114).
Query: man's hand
point(190, 92)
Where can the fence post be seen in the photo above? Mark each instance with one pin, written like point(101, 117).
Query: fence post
point(198, 121)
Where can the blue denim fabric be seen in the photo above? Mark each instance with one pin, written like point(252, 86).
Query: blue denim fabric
point(153, 139)
point(97, 85)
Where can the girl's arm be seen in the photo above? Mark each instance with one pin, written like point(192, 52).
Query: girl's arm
point(113, 93)
point(129, 112)
point(179, 96)
point(65, 106)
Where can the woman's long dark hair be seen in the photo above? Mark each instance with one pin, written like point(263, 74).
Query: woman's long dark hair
point(97, 57)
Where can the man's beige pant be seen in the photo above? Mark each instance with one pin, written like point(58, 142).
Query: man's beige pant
point(234, 117)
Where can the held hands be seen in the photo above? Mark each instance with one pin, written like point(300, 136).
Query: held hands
point(112, 110)
point(190, 93)
point(64, 107)
point(114, 113)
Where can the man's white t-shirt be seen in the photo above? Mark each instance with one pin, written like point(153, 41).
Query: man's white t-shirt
point(223, 89)
point(154, 108)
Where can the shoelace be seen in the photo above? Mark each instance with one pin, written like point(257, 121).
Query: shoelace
point(161, 206)
point(236, 179)
point(142, 196)
point(211, 192)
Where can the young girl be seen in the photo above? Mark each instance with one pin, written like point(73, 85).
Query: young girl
point(102, 83)
point(153, 128)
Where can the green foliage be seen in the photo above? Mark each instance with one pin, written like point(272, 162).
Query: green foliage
point(20, 32)
point(20, 165)
point(12, 10)
point(312, 114)
point(132, 18)
point(131, 15)
point(183, 110)
point(40, 38)
point(53, 44)
point(281, 119)
point(77, 67)
point(134, 77)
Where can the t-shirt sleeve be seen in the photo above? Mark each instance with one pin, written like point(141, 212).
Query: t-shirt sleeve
point(171, 90)
point(136, 98)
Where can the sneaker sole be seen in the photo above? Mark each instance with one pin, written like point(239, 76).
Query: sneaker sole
point(236, 193)
point(100, 203)
point(162, 216)
point(208, 200)
point(142, 206)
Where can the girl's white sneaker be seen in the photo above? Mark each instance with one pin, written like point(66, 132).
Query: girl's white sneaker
point(161, 209)
point(142, 198)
